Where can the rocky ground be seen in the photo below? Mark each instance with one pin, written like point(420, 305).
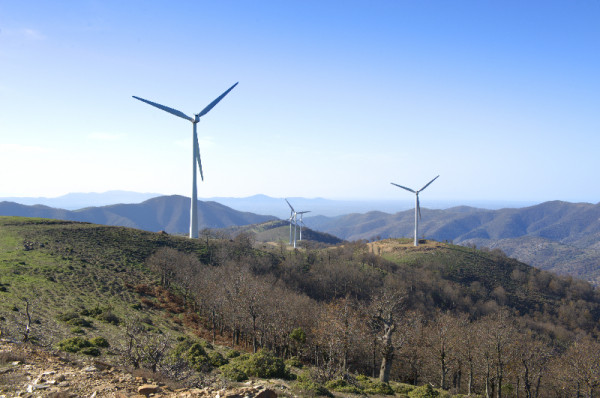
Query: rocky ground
point(30, 371)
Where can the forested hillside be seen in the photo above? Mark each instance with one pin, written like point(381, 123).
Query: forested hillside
point(557, 236)
point(460, 319)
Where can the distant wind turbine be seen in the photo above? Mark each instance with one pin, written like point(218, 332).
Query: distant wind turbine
point(417, 206)
point(292, 221)
point(196, 152)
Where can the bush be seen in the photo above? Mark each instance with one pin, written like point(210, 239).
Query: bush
point(308, 385)
point(374, 387)
point(68, 316)
point(196, 357)
point(91, 351)
point(74, 344)
point(77, 330)
point(233, 372)
point(216, 359)
point(294, 361)
point(265, 365)
point(99, 341)
point(343, 386)
point(79, 322)
point(402, 388)
point(424, 391)
point(109, 317)
point(232, 354)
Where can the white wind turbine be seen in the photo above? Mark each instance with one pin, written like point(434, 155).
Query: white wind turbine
point(302, 222)
point(196, 151)
point(292, 220)
point(417, 206)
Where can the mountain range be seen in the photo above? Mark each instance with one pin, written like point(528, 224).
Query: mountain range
point(558, 236)
point(260, 204)
point(168, 213)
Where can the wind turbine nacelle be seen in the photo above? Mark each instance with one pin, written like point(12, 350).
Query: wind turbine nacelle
point(196, 118)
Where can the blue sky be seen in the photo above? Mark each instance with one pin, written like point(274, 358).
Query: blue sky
point(336, 98)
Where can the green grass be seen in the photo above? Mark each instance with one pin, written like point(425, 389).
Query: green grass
point(62, 266)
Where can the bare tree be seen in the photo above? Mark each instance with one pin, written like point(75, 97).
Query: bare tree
point(385, 309)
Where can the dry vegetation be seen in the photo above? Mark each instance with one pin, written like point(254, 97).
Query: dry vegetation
point(462, 320)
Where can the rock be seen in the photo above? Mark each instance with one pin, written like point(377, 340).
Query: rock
point(35, 387)
point(266, 393)
point(89, 369)
point(148, 389)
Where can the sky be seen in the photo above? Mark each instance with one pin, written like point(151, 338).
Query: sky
point(336, 99)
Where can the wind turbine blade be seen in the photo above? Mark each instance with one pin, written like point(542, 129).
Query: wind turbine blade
point(290, 206)
point(419, 206)
point(304, 212)
point(400, 186)
point(428, 183)
point(215, 102)
point(166, 109)
point(198, 159)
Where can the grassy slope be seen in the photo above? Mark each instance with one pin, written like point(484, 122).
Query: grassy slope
point(61, 266)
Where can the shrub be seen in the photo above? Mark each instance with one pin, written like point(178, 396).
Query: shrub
point(91, 351)
point(293, 361)
point(264, 365)
point(402, 388)
point(77, 330)
point(374, 387)
point(74, 344)
point(99, 341)
point(196, 356)
point(232, 354)
point(313, 388)
point(216, 359)
point(79, 322)
point(424, 391)
point(343, 386)
point(233, 372)
point(298, 335)
point(68, 316)
point(109, 317)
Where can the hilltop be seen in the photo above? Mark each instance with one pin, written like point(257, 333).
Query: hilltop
point(279, 231)
point(557, 236)
point(195, 310)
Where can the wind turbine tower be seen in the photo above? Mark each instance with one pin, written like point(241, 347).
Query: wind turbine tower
point(417, 206)
point(302, 222)
point(195, 151)
point(292, 220)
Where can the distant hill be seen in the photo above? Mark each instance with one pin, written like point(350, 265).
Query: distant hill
point(279, 230)
point(168, 213)
point(559, 236)
point(74, 201)
point(259, 204)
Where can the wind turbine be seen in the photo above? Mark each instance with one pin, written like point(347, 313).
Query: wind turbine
point(292, 220)
point(302, 222)
point(417, 206)
point(196, 152)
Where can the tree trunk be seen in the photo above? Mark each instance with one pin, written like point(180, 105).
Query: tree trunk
point(254, 334)
point(387, 351)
